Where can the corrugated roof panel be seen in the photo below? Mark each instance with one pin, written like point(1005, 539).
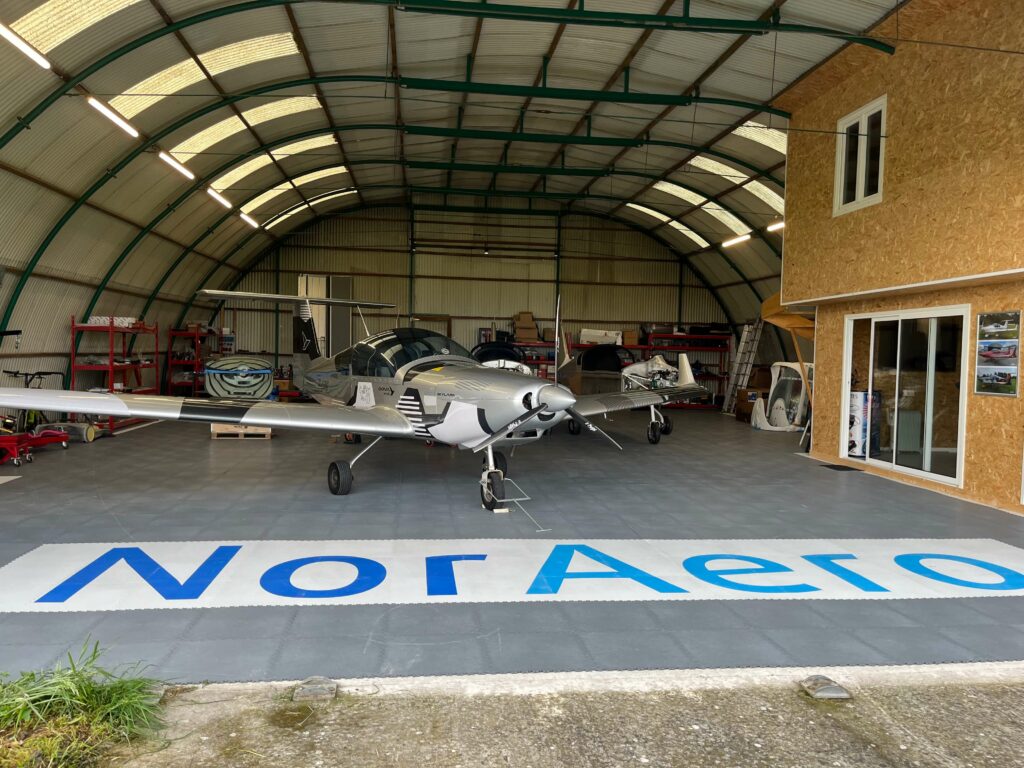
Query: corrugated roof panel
point(55, 21)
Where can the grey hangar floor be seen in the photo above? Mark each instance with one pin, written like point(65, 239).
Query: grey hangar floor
point(711, 479)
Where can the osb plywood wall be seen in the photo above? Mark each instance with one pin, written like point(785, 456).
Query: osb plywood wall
point(953, 188)
point(995, 425)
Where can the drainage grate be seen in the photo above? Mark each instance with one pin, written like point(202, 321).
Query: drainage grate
point(841, 468)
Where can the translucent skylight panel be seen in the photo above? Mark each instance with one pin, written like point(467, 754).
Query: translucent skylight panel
point(717, 168)
point(206, 138)
point(681, 192)
point(733, 224)
point(145, 94)
point(247, 168)
point(775, 201)
point(178, 77)
point(56, 21)
point(284, 216)
point(245, 52)
point(681, 228)
point(260, 200)
point(333, 196)
point(304, 145)
point(281, 108)
point(762, 134)
point(324, 173)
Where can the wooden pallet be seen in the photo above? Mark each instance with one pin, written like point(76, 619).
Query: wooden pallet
point(239, 432)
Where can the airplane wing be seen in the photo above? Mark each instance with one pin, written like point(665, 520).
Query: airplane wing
point(595, 405)
point(687, 389)
point(381, 420)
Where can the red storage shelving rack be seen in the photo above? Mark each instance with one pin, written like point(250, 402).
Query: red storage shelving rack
point(118, 341)
point(719, 345)
point(197, 365)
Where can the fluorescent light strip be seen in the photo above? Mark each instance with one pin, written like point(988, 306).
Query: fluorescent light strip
point(736, 241)
point(113, 117)
point(776, 226)
point(219, 198)
point(177, 166)
point(249, 220)
point(12, 37)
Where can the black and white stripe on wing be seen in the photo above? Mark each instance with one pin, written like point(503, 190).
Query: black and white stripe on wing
point(410, 405)
point(230, 412)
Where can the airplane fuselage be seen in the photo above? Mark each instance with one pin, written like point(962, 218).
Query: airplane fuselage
point(450, 400)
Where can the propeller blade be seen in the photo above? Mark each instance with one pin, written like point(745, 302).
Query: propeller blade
point(580, 419)
point(499, 434)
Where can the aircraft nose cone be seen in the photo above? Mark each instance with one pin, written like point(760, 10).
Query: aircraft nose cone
point(556, 398)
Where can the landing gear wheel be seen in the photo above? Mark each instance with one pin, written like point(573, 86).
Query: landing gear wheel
point(64, 445)
point(666, 426)
point(29, 458)
point(339, 478)
point(574, 427)
point(500, 463)
point(89, 434)
point(16, 462)
point(654, 433)
point(493, 491)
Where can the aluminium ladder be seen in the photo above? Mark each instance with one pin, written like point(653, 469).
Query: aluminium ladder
point(739, 376)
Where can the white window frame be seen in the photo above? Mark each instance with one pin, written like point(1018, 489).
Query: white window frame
point(957, 310)
point(861, 118)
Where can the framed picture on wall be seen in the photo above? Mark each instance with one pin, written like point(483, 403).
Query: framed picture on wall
point(997, 357)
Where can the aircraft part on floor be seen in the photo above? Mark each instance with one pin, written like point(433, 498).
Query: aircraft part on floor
point(788, 401)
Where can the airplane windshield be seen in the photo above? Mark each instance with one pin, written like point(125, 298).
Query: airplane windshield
point(385, 353)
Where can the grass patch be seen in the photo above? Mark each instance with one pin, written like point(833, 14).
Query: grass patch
point(67, 716)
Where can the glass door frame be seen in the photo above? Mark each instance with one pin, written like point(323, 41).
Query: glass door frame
point(959, 310)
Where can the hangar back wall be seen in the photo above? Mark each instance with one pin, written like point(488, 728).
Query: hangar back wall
point(609, 275)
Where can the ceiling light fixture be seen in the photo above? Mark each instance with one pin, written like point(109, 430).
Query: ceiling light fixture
point(219, 198)
point(177, 166)
point(250, 220)
point(13, 38)
point(113, 117)
point(736, 241)
point(776, 226)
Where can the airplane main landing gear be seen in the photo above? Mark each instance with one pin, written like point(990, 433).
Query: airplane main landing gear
point(660, 425)
point(492, 480)
point(339, 473)
point(339, 478)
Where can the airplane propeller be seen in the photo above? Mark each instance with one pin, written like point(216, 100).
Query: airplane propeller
point(552, 399)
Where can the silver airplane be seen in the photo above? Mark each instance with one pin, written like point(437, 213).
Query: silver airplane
point(405, 383)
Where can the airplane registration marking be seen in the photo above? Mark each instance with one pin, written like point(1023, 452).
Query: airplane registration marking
point(220, 574)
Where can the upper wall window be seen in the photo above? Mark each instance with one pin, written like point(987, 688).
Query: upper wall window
point(860, 158)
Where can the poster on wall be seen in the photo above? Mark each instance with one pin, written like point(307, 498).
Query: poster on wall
point(996, 366)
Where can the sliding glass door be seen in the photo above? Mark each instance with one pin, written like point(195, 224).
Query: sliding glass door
point(905, 388)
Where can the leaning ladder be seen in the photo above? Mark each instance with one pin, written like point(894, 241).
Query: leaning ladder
point(742, 363)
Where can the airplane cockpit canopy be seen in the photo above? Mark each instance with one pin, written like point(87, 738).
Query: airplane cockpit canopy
point(385, 353)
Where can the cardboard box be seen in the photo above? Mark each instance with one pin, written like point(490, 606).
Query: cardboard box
point(523, 317)
point(630, 337)
point(549, 334)
point(745, 399)
point(594, 336)
point(760, 377)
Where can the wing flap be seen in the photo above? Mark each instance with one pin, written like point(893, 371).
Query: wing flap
point(381, 420)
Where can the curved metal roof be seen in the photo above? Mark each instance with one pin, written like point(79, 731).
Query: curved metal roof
point(157, 144)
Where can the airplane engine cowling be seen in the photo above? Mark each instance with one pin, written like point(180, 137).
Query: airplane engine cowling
point(247, 378)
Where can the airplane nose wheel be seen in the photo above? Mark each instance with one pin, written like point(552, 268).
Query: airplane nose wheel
point(339, 478)
point(574, 427)
point(492, 485)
